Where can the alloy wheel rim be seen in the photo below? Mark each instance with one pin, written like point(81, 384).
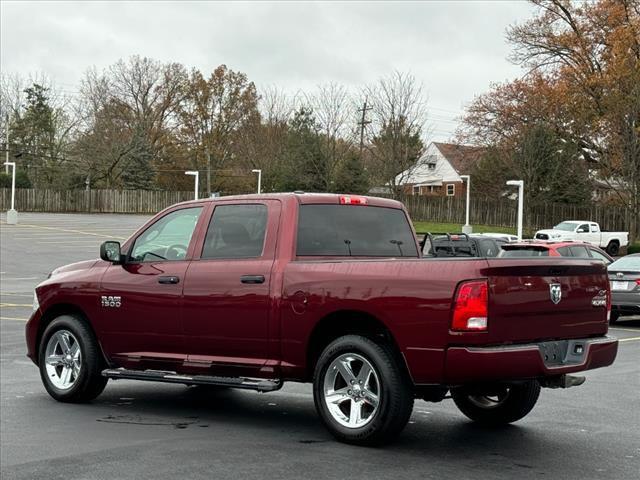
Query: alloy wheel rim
point(63, 359)
point(351, 390)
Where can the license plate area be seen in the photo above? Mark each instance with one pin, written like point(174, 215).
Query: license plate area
point(618, 285)
point(562, 352)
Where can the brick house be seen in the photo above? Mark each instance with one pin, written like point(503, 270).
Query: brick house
point(437, 172)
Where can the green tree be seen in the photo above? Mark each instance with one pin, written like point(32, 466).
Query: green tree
point(305, 165)
point(22, 180)
point(351, 176)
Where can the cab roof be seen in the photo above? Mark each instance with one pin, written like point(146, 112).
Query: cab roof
point(307, 198)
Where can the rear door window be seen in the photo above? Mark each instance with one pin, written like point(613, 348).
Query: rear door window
point(354, 230)
point(579, 251)
point(524, 252)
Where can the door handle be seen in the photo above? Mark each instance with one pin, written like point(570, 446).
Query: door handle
point(252, 278)
point(169, 280)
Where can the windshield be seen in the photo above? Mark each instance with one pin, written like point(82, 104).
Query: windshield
point(629, 263)
point(566, 226)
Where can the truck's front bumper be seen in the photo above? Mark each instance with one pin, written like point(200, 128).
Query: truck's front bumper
point(532, 360)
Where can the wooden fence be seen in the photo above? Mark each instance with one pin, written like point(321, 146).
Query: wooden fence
point(434, 209)
point(92, 201)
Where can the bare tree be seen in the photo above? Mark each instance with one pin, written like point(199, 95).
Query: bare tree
point(399, 115)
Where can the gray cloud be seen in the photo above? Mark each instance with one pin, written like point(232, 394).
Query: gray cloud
point(455, 48)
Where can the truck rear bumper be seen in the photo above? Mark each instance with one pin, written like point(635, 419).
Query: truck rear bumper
point(533, 360)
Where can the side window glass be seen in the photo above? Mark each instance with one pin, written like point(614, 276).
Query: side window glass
point(594, 228)
point(599, 256)
point(168, 238)
point(584, 228)
point(564, 252)
point(236, 231)
point(580, 252)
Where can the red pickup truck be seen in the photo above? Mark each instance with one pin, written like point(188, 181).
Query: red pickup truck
point(252, 291)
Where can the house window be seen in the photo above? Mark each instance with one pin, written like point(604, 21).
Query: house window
point(416, 190)
point(451, 190)
point(431, 166)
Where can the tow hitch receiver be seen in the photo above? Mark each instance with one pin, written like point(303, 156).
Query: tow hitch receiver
point(562, 381)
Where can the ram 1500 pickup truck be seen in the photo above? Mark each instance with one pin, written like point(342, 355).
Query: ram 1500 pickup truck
point(253, 291)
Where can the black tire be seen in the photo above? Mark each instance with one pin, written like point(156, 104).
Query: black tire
point(613, 248)
point(394, 392)
point(89, 383)
point(519, 399)
point(613, 319)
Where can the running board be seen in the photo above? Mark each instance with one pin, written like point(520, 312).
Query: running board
point(259, 384)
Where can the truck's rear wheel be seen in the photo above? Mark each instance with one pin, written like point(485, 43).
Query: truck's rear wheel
point(613, 248)
point(497, 405)
point(70, 361)
point(361, 392)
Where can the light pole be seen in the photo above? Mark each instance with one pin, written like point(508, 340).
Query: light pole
point(520, 185)
point(196, 174)
point(467, 228)
point(12, 215)
point(259, 172)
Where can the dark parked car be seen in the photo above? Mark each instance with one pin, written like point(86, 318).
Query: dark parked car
point(461, 245)
point(624, 275)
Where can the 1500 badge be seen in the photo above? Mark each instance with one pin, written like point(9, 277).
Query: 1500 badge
point(109, 301)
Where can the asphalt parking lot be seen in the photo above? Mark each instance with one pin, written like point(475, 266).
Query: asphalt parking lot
point(145, 430)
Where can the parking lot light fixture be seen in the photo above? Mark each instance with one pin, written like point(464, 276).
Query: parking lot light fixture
point(520, 185)
point(467, 228)
point(12, 215)
point(259, 172)
point(196, 174)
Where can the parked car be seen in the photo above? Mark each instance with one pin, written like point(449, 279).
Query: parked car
point(507, 237)
point(460, 245)
point(624, 275)
point(584, 231)
point(253, 291)
point(536, 248)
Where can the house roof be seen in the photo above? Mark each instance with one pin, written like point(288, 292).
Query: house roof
point(461, 157)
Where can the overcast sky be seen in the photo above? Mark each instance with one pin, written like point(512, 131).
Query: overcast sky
point(456, 49)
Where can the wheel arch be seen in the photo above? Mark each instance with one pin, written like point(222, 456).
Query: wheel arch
point(346, 322)
point(54, 311)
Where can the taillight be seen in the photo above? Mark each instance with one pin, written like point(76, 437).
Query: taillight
point(352, 200)
point(470, 307)
point(637, 281)
point(608, 305)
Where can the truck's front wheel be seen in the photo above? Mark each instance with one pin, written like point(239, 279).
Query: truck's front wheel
point(497, 405)
point(70, 361)
point(361, 392)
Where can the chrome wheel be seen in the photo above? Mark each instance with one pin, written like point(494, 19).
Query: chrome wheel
point(63, 359)
point(494, 400)
point(351, 390)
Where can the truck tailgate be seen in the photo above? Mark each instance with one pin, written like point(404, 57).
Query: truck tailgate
point(543, 299)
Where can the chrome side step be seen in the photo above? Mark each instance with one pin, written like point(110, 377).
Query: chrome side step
point(259, 384)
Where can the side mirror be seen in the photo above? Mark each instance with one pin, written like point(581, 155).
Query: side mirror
point(582, 230)
point(110, 252)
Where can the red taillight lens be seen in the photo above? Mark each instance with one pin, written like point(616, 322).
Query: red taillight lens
point(637, 281)
point(608, 304)
point(470, 308)
point(352, 200)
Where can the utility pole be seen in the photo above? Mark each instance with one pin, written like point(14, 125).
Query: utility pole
point(208, 172)
point(363, 123)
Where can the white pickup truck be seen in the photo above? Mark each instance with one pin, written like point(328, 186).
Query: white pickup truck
point(583, 231)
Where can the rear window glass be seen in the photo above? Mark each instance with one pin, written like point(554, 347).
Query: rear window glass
point(525, 252)
point(354, 230)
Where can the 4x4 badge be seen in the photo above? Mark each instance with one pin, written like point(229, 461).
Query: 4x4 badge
point(555, 292)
